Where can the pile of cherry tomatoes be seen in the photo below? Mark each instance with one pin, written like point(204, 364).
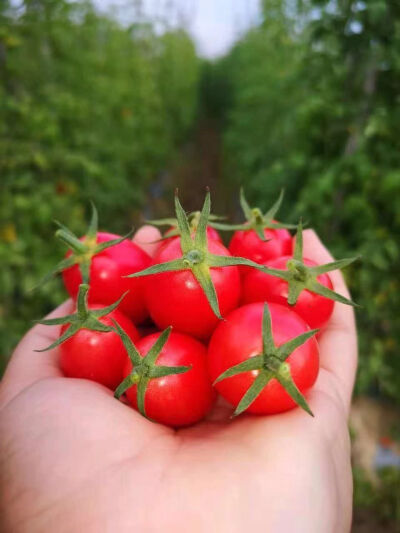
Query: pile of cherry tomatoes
point(168, 333)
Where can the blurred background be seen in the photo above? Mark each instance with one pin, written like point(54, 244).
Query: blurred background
point(122, 101)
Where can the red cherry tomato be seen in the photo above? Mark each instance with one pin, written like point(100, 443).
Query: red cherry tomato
point(239, 337)
point(178, 399)
point(248, 244)
point(176, 298)
point(313, 308)
point(96, 355)
point(107, 283)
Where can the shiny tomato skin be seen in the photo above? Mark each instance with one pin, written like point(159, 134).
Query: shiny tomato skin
point(176, 298)
point(239, 337)
point(96, 355)
point(107, 283)
point(180, 399)
point(248, 244)
point(313, 308)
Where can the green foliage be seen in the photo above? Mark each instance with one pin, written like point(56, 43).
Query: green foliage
point(88, 110)
point(313, 108)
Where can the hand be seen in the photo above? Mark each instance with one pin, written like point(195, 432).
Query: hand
point(72, 458)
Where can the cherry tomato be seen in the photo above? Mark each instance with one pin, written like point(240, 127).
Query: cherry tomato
point(239, 337)
point(248, 244)
point(261, 287)
point(95, 355)
point(178, 399)
point(177, 299)
point(107, 283)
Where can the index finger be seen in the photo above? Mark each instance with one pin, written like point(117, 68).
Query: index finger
point(338, 340)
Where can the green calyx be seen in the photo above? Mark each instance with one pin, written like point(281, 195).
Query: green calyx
point(255, 219)
point(144, 369)
point(270, 364)
point(84, 318)
point(195, 254)
point(82, 250)
point(193, 219)
point(302, 277)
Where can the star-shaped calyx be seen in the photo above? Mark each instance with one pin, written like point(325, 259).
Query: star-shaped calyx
point(193, 219)
point(271, 364)
point(144, 369)
point(84, 318)
point(255, 219)
point(195, 254)
point(82, 251)
point(299, 276)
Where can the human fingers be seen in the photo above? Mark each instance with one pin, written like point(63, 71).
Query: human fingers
point(338, 340)
point(146, 238)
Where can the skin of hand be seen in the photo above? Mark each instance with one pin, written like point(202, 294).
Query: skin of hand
point(72, 458)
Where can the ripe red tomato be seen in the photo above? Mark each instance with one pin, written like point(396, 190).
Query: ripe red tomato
point(178, 399)
point(239, 338)
point(107, 283)
point(261, 287)
point(246, 243)
point(177, 299)
point(95, 355)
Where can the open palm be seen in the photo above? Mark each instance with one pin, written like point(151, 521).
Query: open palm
point(72, 458)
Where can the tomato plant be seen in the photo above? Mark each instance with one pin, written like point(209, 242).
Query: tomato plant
point(303, 285)
point(193, 282)
point(104, 259)
point(262, 359)
point(166, 378)
point(88, 345)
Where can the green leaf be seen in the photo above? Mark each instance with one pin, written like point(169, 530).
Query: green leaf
point(169, 266)
point(67, 334)
point(203, 276)
point(200, 239)
point(151, 357)
point(162, 371)
point(253, 363)
point(284, 350)
point(113, 242)
point(298, 247)
point(257, 386)
point(130, 348)
point(229, 227)
point(267, 338)
point(285, 379)
point(334, 265)
point(141, 392)
point(317, 288)
point(163, 222)
point(184, 229)
point(260, 233)
point(94, 223)
point(62, 265)
point(270, 214)
point(57, 321)
point(245, 206)
point(228, 260)
point(127, 383)
point(109, 308)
